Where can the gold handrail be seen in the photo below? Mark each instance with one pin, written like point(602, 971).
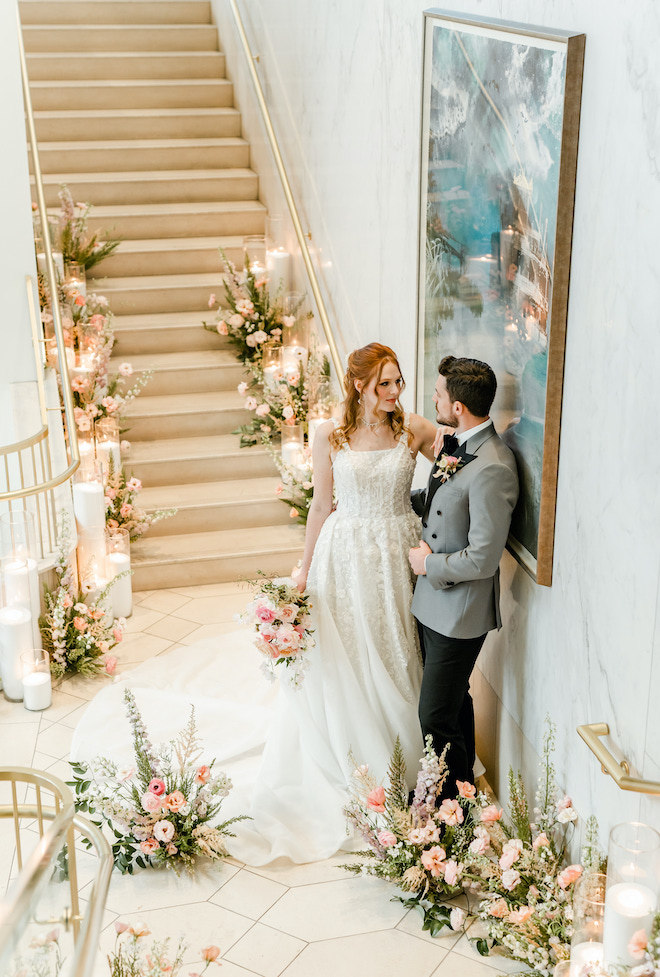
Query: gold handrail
point(286, 186)
point(619, 770)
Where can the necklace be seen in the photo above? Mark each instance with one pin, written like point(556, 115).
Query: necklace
point(372, 425)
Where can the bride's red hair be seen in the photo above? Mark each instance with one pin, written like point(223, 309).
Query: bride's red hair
point(364, 364)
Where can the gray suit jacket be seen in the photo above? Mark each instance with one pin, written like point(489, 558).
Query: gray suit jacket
point(466, 522)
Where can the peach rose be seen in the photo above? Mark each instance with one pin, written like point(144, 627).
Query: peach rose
point(171, 849)
point(510, 853)
point(203, 774)
point(79, 623)
point(433, 860)
point(481, 841)
point(466, 789)
point(569, 875)
point(452, 869)
point(149, 846)
point(376, 799)
point(287, 613)
point(498, 909)
point(175, 801)
point(222, 328)
point(491, 814)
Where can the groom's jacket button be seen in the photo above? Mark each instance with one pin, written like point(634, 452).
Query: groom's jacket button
point(438, 513)
point(433, 536)
point(424, 525)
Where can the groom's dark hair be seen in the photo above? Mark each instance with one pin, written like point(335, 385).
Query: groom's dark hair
point(471, 382)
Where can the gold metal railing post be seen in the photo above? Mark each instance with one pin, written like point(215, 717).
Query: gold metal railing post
point(619, 770)
point(286, 186)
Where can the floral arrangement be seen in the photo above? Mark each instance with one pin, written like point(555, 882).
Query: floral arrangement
point(159, 809)
point(279, 614)
point(284, 402)
point(526, 909)
point(132, 958)
point(252, 318)
point(100, 396)
point(76, 242)
point(77, 636)
point(422, 847)
point(121, 510)
point(46, 960)
point(296, 488)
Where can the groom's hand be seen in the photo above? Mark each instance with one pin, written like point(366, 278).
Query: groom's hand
point(417, 556)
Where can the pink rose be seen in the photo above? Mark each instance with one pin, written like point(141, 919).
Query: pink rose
point(491, 814)
point(521, 915)
point(164, 830)
point(387, 839)
point(287, 638)
point(262, 410)
point(293, 513)
point(510, 879)
point(541, 841)
point(287, 613)
point(222, 328)
point(148, 846)
point(171, 849)
point(175, 801)
point(452, 869)
point(639, 941)
point(510, 853)
point(450, 812)
point(264, 613)
point(110, 664)
point(126, 510)
point(79, 623)
point(150, 802)
point(203, 775)
point(569, 875)
point(376, 799)
point(433, 860)
point(157, 786)
point(125, 370)
point(117, 635)
point(110, 493)
point(210, 953)
point(466, 789)
point(250, 403)
point(498, 909)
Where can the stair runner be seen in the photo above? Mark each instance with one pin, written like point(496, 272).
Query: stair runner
point(134, 113)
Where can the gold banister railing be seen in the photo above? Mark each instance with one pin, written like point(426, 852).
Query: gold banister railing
point(286, 187)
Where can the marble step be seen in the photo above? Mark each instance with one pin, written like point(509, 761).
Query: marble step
point(92, 66)
point(184, 415)
point(231, 554)
point(154, 187)
point(172, 256)
point(159, 293)
point(115, 11)
point(47, 37)
point(165, 332)
point(128, 155)
point(131, 93)
point(179, 461)
point(188, 371)
point(211, 506)
point(194, 219)
point(184, 123)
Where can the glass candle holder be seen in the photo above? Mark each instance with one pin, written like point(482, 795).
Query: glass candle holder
point(292, 448)
point(633, 879)
point(37, 690)
point(19, 565)
point(588, 917)
point(89, 510)
point(118, 560)
point(278, 258)
point(15, 631)
point(106, 436)
point(75, 279)
point(271, 364)
point(254, 248)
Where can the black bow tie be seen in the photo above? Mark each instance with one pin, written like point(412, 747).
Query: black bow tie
point(450, 445)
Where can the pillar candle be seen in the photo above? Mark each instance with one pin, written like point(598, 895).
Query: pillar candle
point(583, 954)
point(15, 639)
point(88, 506)
point(294, 359)
point(37, 691)
point(629, 906)
point(278, 263)
point(121, 592)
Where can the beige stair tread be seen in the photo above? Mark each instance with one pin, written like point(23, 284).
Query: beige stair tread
point(129, 176)
point(153, 281)
point(108, 144)
point(158, 320)
point(188, 449)
point(75, 84)
point(202, 403)
point(70, 114)
point(203, 494)
point(221, 544)
point(186, 360)
point(110, 213)
point(125, 55)
point(114, 11)
point(133, 245)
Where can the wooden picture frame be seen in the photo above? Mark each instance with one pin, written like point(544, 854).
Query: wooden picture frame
point(500, 122)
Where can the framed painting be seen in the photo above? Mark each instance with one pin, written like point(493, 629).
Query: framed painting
point(500, 120)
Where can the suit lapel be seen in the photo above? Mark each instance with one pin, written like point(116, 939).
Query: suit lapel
point(474, 444)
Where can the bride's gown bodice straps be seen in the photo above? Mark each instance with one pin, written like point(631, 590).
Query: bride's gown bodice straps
point(374, 484)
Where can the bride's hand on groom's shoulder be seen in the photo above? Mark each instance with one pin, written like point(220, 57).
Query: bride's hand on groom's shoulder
point(440, 437)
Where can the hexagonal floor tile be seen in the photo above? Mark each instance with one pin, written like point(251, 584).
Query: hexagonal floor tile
point(388, 954)
point(150, 889)
point(334, 909)
point(249, 894)
point(289, 873)
point(265, 951)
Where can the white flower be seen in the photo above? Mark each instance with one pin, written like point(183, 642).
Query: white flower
point(259, 336)
point(288, 412)
point(510, 879)
point(125, 773)
point(125, 370)
point(236, 321)
point(567, 814)
point(242, 389)
point(457, 918)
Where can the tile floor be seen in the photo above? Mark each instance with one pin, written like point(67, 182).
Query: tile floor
point(283, 919)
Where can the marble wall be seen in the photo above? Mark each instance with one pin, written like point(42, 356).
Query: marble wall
point(344, 82)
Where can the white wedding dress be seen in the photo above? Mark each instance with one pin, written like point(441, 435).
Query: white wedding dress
point(286, 749)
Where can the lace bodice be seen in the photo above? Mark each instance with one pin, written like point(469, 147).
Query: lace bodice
point(373, 484)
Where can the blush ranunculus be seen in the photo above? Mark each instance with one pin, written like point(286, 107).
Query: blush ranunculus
point(164, 831)
point(569, 875)
point(387, 838)
point(222, 328)
point(150, 802)
point(157, 786)
point(175, 801)
point(376, 799)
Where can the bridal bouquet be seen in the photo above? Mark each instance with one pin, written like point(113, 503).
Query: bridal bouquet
point(420, 847)
point(279, 614)
point(159, 809)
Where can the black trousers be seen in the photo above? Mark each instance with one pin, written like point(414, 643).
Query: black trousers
point(445, 703)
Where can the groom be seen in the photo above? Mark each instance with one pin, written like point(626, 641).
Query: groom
point(466, 512)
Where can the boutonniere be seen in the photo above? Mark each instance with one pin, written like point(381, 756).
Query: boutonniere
point(447, 466)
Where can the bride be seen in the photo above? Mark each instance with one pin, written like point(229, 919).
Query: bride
point(287, 752)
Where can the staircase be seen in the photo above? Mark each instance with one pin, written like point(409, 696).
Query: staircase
point(134, 113)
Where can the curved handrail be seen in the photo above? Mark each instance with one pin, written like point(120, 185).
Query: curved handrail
point(286, 186)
